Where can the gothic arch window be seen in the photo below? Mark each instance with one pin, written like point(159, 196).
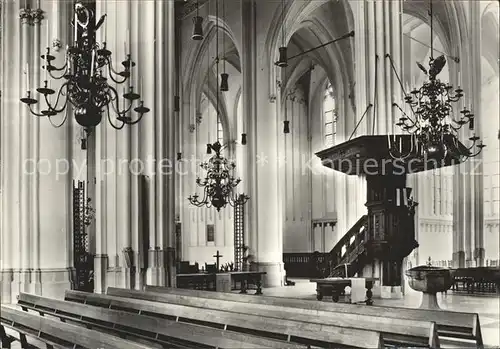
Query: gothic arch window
point(329, 117)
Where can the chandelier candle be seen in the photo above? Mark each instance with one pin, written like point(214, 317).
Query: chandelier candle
point(27, 77)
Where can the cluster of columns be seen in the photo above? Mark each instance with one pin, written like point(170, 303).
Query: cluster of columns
point(125, 169)
point(36, 186)
point(261, 112)
point(468, 199)
point(135, 222)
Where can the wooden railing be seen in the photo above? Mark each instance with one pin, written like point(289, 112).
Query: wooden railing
point(348, 250)
point(476, 280)
point(305, 264)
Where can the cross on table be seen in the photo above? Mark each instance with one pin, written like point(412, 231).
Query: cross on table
point(218, 257)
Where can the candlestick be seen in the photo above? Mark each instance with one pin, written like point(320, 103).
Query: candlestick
point(48, 40)
point(27, 77)
point(131, 73)
point(127, 39)
point(459, 78)
point(76, 29)
point(92, 64)
point(140, 90)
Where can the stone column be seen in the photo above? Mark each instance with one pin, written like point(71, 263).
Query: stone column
point(461, 226)
point(475, 93)
point(260, 112)
point(153, 39)
point(169, 147)
point(378, 33)
point(34, 165)
point(12, 89)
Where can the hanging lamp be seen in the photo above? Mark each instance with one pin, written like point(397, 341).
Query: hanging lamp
point(220, 183)
point(198, 25)
point(434, 130)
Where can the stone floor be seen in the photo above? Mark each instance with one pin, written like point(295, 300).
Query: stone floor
point(487, 306)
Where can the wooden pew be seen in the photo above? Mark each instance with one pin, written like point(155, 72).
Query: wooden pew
point(288, 330)
point(55, 334)
point(450, 324)
point(394, 331)
point(154, 330)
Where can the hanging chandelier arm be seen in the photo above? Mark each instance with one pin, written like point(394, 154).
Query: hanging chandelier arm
point(136, 121)
point(62, 121)
point(116, 99)
point(59, 93)
point(413, 123)
point(34, 112)
point(113, 71)
point(111, 123)
point(54, 68)
point(345, 36)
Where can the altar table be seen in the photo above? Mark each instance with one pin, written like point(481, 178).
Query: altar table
point(208, 281)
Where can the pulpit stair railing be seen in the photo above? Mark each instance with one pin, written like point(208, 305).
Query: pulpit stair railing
point(348, 252)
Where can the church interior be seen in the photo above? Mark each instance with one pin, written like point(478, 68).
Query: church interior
point(249, 173)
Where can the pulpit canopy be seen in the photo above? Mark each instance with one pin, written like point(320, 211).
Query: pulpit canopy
point(369, 155)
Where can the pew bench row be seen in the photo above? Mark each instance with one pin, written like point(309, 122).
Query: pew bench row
point(32, 328)
point(175, 318)
point(461, 326)
point(394, 332)
point(212, 328)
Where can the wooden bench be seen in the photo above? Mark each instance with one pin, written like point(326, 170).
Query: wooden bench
point(450, 324)
point(55, 334)
point(291, 331)
point(394, 331)
point(151, 330)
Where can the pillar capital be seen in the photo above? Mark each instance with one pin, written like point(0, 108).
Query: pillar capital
point(30, 16)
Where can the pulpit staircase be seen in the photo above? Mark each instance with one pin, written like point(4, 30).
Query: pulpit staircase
point(348, 256)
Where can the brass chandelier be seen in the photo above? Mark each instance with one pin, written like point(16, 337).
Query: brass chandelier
point(220, 183)
point(433, 129)
point(85, 73)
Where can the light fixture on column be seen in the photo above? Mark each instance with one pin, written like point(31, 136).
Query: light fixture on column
point(433, 129)
point(286, 126)
point(244, 139)
point(283, 56)
point(224, 83)
point(198, 25)
point(219, 184)
point(85, 85)
point(177, 104)
point(284, 59)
